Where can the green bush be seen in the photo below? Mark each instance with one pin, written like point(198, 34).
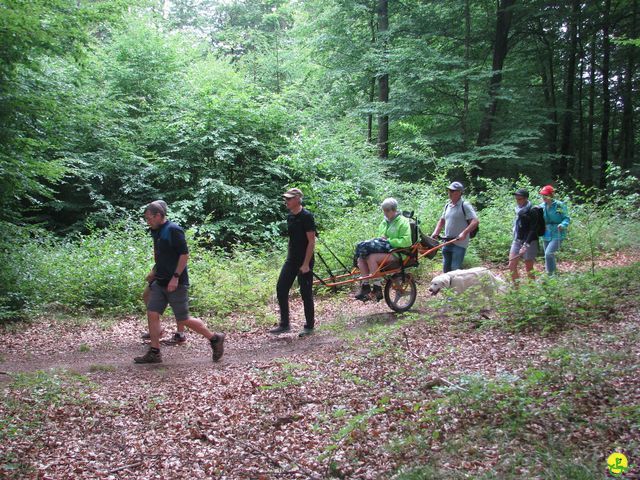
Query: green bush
point(104, 270)
point(101, 271)
point(552, 303)
point(242, 281)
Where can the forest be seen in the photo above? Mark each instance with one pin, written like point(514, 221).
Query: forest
point(217, 107)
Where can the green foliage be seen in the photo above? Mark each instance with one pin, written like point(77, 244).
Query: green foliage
point(226, 283)
point(101, 271)
point(104, 272)
point(553, 302)
point(35, 37)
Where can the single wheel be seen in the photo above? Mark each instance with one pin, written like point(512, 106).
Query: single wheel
point(400, 292)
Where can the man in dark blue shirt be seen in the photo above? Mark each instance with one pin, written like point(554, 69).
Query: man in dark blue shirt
point(170, 281)
point(301, 228)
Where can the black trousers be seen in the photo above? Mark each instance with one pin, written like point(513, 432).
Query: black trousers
point(288, 274)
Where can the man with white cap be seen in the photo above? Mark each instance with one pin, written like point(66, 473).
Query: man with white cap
point(459, 220)
point(301, 228)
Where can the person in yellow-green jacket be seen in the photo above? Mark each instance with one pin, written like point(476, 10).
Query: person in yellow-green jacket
point(394, 231)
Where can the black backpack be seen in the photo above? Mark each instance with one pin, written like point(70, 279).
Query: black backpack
point(473, 232)
point(538, 214)
point(413, 225)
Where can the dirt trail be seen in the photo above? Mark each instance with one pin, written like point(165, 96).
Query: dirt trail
point(47, 344)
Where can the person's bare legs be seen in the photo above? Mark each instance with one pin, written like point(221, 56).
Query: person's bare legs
point(362, 265)
point(197, 326)
point(375, 259)
point(528, 265)
point(513, 266)
point(155, 329)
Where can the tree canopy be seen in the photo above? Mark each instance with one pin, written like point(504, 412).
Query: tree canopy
point(217, 106)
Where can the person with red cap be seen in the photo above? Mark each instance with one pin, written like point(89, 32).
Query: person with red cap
point(556, 219)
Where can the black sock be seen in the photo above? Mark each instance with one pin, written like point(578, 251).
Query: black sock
point(155, 350)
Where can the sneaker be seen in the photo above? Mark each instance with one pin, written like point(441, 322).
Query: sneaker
point(177, 339)
point(377, 291)
point(364, 292)
point(217, 346)
point(280, 329)
point(149, 357)
point(306, 332)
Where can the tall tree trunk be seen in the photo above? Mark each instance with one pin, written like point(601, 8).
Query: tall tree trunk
point(372, 85)
point(627, 133)
point(372, 96)
point(467, 50)
point(566, 145)
point(606, 96)
point(577, 170)
point(549, 90)
point(588, 159)
point(383, 81)
point(500, 48)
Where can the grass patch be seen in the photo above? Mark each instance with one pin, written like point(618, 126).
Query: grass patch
point(544, 423)
point(550, 303)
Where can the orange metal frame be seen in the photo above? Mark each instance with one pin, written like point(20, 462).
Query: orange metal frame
point(413, 253)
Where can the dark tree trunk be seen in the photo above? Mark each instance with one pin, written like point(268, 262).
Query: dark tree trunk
point(606, 96)
point(500, 48)
point(588, 158)
point(577, 170)
point(372, 96)
point(549, 90)
point(372, 86)
point(467, 49)
point(383, 82)
point(566, 146)
point(627, 133)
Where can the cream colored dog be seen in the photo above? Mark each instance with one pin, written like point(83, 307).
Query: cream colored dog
point(460, 280)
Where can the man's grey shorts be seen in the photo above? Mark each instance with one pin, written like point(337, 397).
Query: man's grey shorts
point(531, 252)
point(178, 299)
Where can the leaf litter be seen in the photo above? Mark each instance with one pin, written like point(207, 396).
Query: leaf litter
point(372, 393)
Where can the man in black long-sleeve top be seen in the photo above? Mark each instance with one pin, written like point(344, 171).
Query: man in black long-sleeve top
point(525, 237)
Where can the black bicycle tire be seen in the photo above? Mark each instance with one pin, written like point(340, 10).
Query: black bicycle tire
point(413, 293)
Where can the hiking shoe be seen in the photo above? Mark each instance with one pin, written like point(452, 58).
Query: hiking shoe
point(217, 346)
point(306, 332)
point(177, 339)
point(149, 357)
point(363, 294)
point(377, 291)
point(280, 329)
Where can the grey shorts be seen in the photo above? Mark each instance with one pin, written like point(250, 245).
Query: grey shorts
point(178, 299)
point(531, 252)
